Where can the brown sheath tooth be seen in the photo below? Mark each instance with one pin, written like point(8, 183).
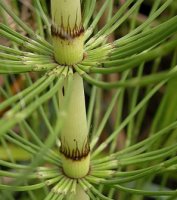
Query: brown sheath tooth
point(75, 154)
point(66, 33)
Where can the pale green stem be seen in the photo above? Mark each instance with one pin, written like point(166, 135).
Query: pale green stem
point(67, 31)
point(74, 149)
point(80, 194)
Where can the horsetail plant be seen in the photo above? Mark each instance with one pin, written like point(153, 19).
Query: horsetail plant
point(56, 144)
point(68, 36)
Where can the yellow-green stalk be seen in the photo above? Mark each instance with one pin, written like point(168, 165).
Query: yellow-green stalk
point(79, 195)
point(67, 31)
point(75, 149)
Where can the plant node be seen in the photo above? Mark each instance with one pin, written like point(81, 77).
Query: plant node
point(67, 31)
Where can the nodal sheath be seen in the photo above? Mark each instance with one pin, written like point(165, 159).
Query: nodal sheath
point(67, 31)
